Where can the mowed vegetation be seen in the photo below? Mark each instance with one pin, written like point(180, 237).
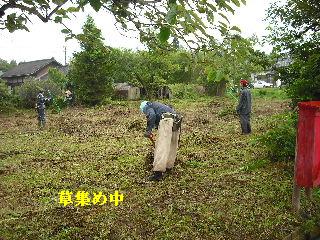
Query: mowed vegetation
point(220, 188)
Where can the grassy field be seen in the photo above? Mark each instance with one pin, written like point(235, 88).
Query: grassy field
point(220, 188)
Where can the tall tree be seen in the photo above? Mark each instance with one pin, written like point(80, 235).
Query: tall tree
point(295, 26)
point(295, 30)
point(5, 66)
point(89, 70)
point(151, 70)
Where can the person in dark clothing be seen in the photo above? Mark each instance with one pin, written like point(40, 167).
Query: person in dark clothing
point(244, 107)
point(153, 112)
point(40, 106)
point(164, 118)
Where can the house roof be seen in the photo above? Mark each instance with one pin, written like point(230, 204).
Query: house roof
point(64, 69)
point(29, 68)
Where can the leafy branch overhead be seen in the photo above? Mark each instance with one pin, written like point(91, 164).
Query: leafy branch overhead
point(295, 25)
point(192, 21)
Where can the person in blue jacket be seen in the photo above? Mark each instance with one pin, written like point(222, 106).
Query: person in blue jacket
point(168, 122)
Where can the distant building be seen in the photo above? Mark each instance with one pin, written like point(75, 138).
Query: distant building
point(269, 75)
point(37, 69)
point(163, 92)
point(283, 62)
point(127, 91)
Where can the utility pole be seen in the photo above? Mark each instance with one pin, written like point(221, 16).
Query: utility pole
point(65, 55)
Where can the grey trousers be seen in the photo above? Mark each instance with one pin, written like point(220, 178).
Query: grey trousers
point(41, 116)
point(166, 146)
point(245, 123)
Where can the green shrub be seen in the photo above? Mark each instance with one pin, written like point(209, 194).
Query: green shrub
point(302, 79)
point(58, 77)
point(185, 91)
point(262, 92)
point(279, 142)
point(28, 91)
point(7, 100)
point(57, 104)
point(269, 93)
point(254, 165)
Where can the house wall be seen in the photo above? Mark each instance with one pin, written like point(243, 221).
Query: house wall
point(134, 93)
point(263, 76)
point(43, 73)
point(123, 94)
point(14, 81)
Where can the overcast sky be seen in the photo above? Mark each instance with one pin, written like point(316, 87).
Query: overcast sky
point(45, 39)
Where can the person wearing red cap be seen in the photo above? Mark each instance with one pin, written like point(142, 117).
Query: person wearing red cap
point(244, 107)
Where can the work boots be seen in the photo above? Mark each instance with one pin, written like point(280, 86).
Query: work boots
point(156, 176)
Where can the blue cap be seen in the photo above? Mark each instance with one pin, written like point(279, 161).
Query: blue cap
point(143, 105)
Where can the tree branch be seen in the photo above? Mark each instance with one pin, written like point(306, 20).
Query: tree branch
point(314, 27)
point(3, 8)
point(56, 9)
point(14, 4)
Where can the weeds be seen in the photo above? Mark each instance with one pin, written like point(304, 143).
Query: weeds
point(280, 140)
point(216, 190)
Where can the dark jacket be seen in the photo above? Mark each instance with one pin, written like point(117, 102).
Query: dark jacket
point(41, 101)
point(244, 106)
point(153, 111)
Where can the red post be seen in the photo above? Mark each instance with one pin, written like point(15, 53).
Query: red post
point(307, 164)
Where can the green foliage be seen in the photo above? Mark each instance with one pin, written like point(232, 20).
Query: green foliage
point(164, 34)
point(185, 91)
point(295, 26)
point(177, 19)
point(254, 165)
point(214, 69)
point(183, 62)
point(151, 71)
point(7, 100)
point(266, 61)
point(279, 142)
point(58, 77)
point(305, 85)
point(5, 66)
point(90, 69)
point(177, 65)
point(227, 62)
point(58, 103)
point(216, 81)
point(28, 91)
point(295, 29)
point(269, 93)
point(4, 91)
point(125, 62)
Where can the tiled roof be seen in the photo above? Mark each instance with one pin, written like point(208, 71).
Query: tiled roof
point(28, 68)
